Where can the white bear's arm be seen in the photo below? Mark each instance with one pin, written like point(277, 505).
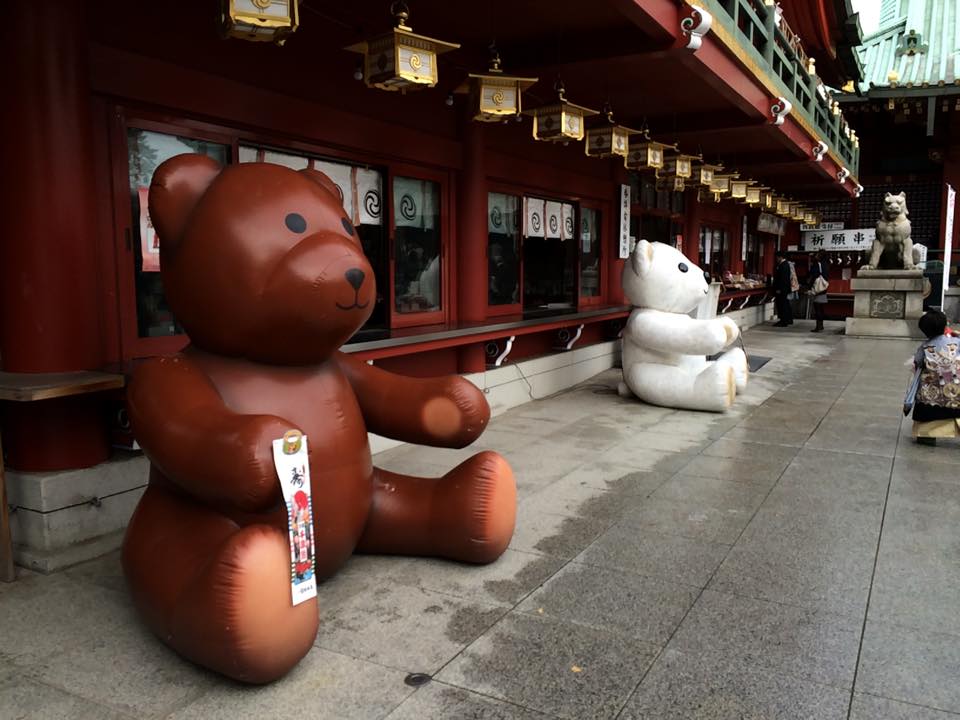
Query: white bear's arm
point(676, 333)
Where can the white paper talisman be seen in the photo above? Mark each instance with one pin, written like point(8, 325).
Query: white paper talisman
point(293, 469)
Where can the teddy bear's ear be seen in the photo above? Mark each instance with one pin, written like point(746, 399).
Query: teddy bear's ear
point(325, 182)
point(642, 257)
point(177, 186)
point(888, 196)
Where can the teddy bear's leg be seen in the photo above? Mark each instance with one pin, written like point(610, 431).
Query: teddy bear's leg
point(737, 359)
point(216, 593)
point(713, 389)
point(466, 515)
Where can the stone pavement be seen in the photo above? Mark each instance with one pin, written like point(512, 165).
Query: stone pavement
point(796, 558)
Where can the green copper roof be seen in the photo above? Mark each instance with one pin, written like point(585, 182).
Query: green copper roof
point(919, 42)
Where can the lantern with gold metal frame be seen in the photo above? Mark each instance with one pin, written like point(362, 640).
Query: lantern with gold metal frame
point(260, 20)
point(679, 166)
point(754, 195)
point(561, 121)
point(703, 173)
point(495, 96)
point(784, 207)
point(647, 154)
point(798, 212)
point(401, 59)
point(738, 188)
point(607, 138)
point(811, 217)
point(671, 183)
point(721, 183)
point(768, 200)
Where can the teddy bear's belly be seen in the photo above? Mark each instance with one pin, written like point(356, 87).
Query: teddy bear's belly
point(321, 404)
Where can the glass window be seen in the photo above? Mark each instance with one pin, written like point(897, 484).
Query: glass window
point(503, 249)
point(416, 216)
point(361, 190)
point(714, 251)
point(589, 252)
point(145, 151)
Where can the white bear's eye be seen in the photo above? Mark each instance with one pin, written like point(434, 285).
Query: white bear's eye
point(683, 267)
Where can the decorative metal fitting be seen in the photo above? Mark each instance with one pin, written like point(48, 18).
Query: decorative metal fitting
point(819, 150)
point(780, 110)
point(859, 191)
point(843, 175)
point(696, 26)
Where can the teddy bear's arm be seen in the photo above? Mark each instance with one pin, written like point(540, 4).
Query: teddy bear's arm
point(447, 411)
point(681, 334)
point(208, 450)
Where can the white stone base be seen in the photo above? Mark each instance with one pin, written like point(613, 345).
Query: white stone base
point(882, 328)
point(63, 518)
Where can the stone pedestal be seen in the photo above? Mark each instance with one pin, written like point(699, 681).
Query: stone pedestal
point(887, 303)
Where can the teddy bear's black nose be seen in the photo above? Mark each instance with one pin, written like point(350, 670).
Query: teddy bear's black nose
point(354, 277)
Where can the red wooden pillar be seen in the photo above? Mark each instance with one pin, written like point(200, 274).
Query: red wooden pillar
point(472, 241)
point(49, 319)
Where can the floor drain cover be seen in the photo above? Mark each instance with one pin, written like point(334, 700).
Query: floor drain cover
point(417, 679)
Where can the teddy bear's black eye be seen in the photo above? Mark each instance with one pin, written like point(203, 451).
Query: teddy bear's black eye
point(347, 226)
point(295, 223)
point(683, 267)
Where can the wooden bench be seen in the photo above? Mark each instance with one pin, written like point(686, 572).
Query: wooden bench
point(30, 387)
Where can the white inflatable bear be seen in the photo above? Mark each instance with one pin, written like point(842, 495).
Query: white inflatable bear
point(664, 349)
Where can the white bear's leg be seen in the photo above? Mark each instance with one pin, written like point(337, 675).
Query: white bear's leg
point(623, 390)
point(712, 390)
point(737, 359)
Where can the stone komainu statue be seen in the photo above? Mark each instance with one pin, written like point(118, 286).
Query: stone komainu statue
point(892, 248)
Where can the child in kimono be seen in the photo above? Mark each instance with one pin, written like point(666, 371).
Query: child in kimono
point(935, 392)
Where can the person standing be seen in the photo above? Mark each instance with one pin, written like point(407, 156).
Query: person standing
point(782, 287)
point(818, 290)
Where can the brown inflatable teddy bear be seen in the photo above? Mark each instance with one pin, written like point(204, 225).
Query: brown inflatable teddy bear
point(265, 272)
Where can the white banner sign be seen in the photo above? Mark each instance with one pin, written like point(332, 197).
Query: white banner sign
point(290, 456)
point(948, 241)
point(567, 226)
point(772, 224)
point(625, 222)
point(839, 240)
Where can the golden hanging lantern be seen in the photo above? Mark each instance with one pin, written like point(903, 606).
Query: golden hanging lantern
point(754, 195)
point(647, 155)
point(679, 166)
point(768, 200)
point(721, 184)
point(784, 207)
point(606, 138)
point(810, 218)
point(561, 121)
point(260, 20)
point(671, 183)
point(798, 212)
point(401, 59)
point(495, 96)
point(738, 189)
point(704, 173)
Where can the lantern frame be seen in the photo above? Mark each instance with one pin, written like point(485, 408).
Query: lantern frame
point(722, 183)
point(679, 166)
point(754, 195)
point(394, 60)
point(489, 92)
point(606, 139)
point(784, 207)
point(705, 172)
point(738, 188)
point(647, 155)
point(571, 124)
point(248, 24)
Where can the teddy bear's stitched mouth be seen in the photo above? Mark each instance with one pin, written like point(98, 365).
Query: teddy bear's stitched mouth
point(356, 304)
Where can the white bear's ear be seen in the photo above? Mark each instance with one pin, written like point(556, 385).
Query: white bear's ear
point(642, 257)
point(889, 195)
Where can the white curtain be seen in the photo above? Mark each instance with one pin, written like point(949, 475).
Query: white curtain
point(554, 219)
point(294, 162)
point(533, 214)
point(369, 201)
point(497, 214)
point(415, 203)
point(567, 227)
point(342, 177)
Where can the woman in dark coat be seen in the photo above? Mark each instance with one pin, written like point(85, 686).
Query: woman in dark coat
point(818, 269)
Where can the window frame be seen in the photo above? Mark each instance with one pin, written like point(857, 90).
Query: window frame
point(122, 120)
point(584, 301)
point(517, 307)
point(447, 226)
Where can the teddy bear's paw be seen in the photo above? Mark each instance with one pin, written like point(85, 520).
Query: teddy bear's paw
point(716, 387)
point(474, 509)
point(236, 616)
point(458, 416)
